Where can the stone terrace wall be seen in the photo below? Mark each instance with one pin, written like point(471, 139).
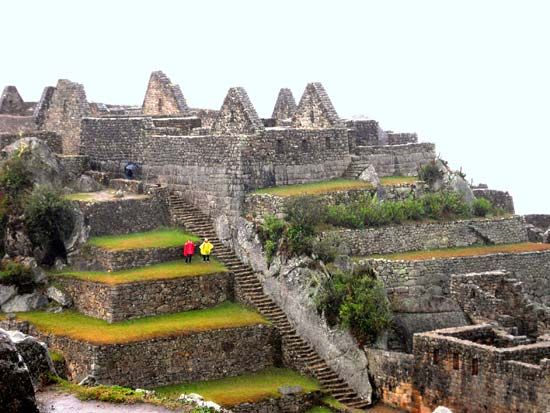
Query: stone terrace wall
point(401, 138)
point(124, 216)
point(422, 236)
point(499, 199)
point(295, 403)
point(73, 166)
point(294, 156)
point(397, 159)
point(161, 361)
point(89, 258)
point(541, 221)
point(118, 302)
point(52, 139)
point(365, 132)
point(410, 281)
point(466, 376)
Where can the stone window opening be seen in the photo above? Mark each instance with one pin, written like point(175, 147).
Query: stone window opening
point(64, 106)
point(232, 116)
point(305, 145)
point(456, 361)
point(436, 357)
point(475, 367)
point(160, 104)
point(312, 117)
point(280, 147)
point(328, 143)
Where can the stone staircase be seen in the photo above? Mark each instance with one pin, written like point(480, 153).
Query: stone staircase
point(356, 166)
point(304, 355)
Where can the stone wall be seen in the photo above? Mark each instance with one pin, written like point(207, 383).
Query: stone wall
point(499, 199)
point(161, 361)
point(14, 124)
point(366, 132)
point(124, 216)
point(401, 138)
point(411, 282)
point(11, 102)
point(89, 258)
point(73, 166)
point(422, 236)
point(67, 108)
point(397, 159)
point(118, 302)
point(52, 139)
point(541, 221)
point(315, 110)
point(163, 97)
point(292, 403)
point(392, 376)
point(285, 106)
point(470, 377)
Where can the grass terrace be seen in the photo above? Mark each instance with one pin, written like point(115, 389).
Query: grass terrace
point(160, 238)
point(164, 271)
point(83, 328)
point(465, 251)
point(248, 388)
point(333, 185)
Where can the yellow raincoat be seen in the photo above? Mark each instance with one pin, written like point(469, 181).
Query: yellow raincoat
point(206, 248)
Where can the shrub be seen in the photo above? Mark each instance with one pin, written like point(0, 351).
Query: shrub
point(18, 275)
point(15, 182)
point(49, 220)
point(343, 216)
point(271, 232)
point(357, 302)
point(481, 207)
point(305, 212)
point(299, 240)
point(326, 248)
point(430, 173)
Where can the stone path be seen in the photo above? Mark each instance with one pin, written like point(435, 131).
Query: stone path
point(52, 401)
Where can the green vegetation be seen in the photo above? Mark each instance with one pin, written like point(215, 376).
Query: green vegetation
point(316, 188)
point(56, 356)
point(166, 270)
point(160, 238)
point(430, 173)
point(117, 394)
point(319, 409)
point(249, 388)
point(81, 196)
point(481, 207)
point(49, 221)
point(355, 301)
point(466, 251)
point(17, 274)
point(96, 331)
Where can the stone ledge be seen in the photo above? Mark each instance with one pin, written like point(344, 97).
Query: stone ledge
point(147, 298)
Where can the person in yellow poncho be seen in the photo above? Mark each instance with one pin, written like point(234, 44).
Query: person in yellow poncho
point(206, 248)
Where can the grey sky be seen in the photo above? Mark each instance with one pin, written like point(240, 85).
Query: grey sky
point(470, 76)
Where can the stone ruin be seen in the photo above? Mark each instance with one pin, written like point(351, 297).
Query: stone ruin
point(214, 159)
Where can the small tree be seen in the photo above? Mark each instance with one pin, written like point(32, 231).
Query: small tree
point(49, 221)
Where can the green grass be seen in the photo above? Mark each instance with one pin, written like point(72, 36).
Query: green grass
point(117, 394)
point(96, 331)
point(465, 251)
point(82, 196)
point(164, 271)
point(316, 188)
point(398, 180)
point(56, 356)
point(160, 238)
point(249, 388)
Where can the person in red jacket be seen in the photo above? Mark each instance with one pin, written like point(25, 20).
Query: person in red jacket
point(188, 251)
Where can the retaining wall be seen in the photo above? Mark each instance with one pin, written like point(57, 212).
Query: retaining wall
point(147, 298)
point(397, 159)
point(422, 236)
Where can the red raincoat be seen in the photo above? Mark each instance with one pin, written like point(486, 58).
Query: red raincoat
point(188, 249)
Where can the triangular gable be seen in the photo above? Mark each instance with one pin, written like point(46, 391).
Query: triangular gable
point(237, 115)
point(41, 109)
point(315, 109)
point(285, 107)
point(11, 102)
point(163, 97)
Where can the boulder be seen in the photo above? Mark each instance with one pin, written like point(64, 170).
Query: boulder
point(59, 296)
point(546, 237)
point(16, 389)
point(25, 302)
point(41, 161)
point(35, 355)
point(459, 184)
point(85, 183)
point(39, 276)
point(7, 292)
point(80, 233)
point(369, 175)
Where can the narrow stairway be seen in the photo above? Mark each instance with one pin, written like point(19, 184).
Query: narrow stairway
point(356, 166)
point(200, 224)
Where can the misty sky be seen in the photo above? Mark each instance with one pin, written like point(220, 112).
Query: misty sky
point(471, 76)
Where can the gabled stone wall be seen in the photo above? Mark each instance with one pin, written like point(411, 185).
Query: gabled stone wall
point(163, 98)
